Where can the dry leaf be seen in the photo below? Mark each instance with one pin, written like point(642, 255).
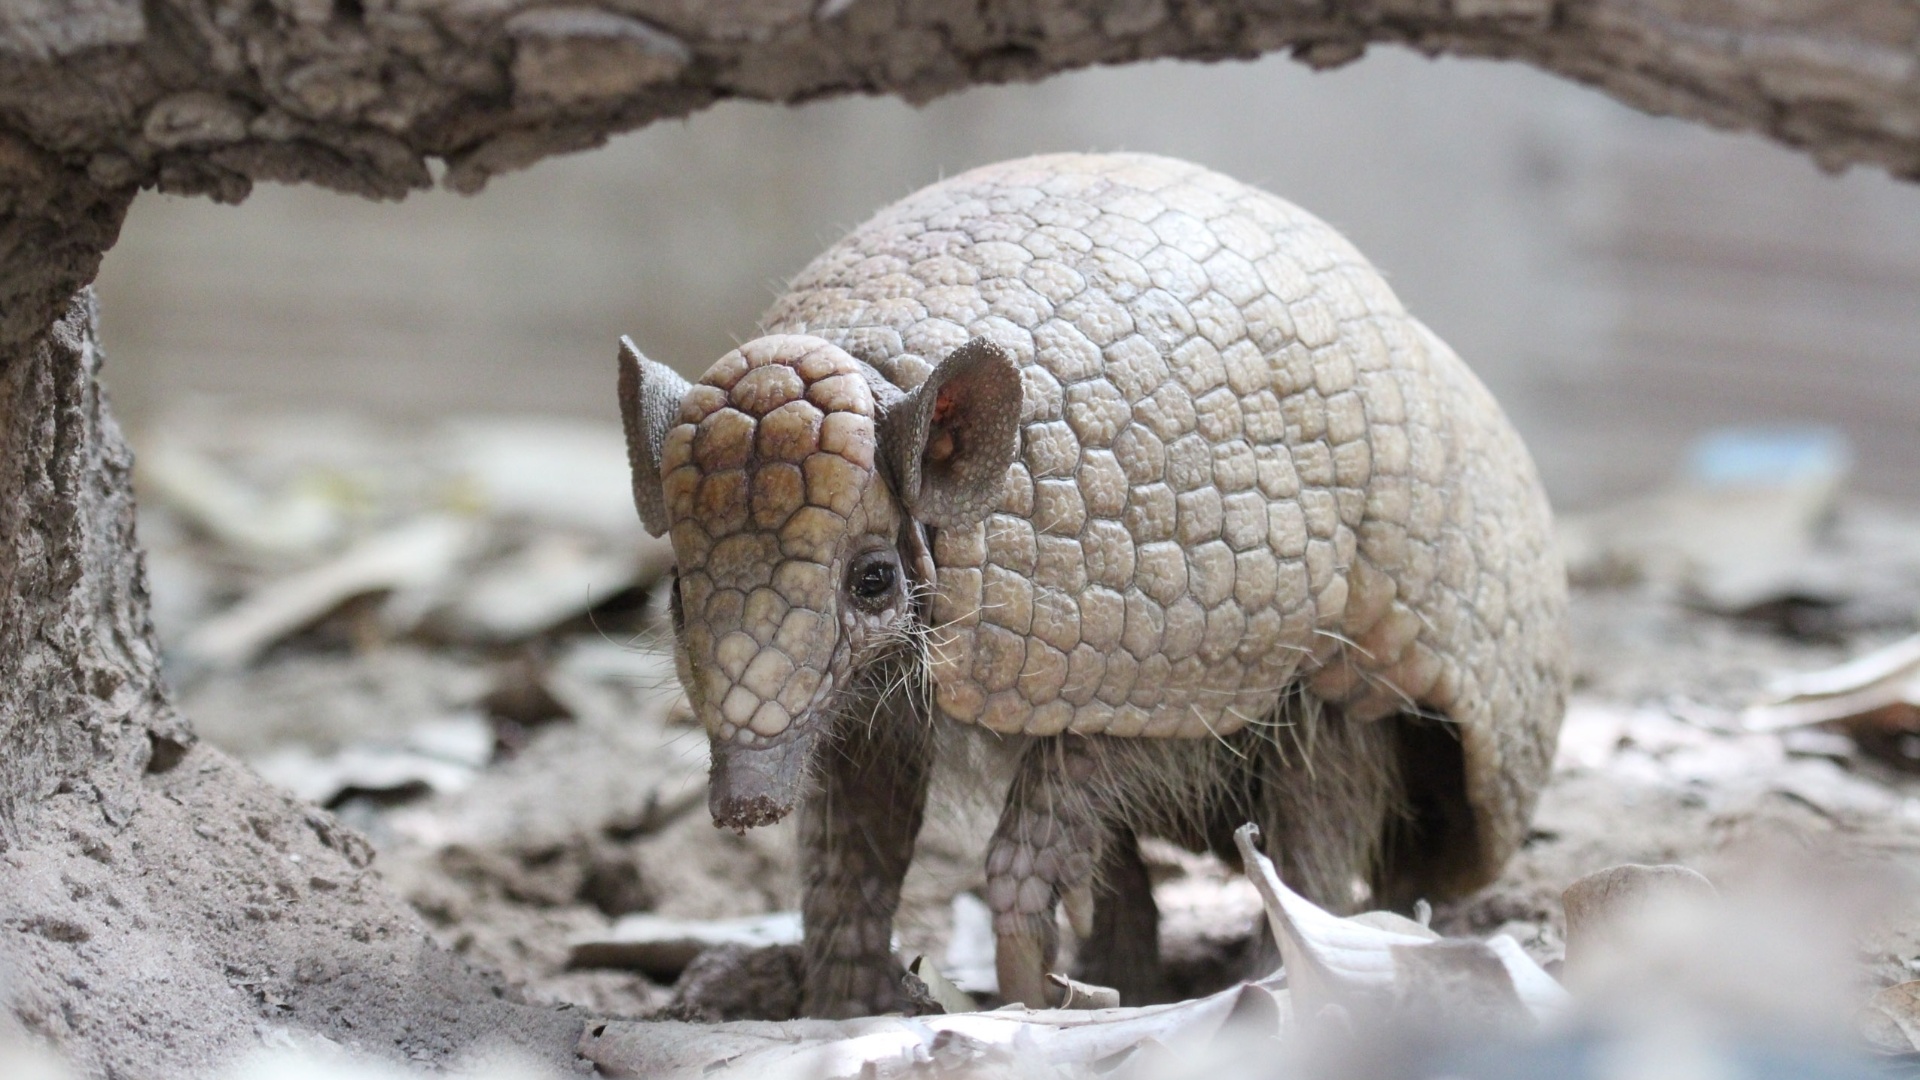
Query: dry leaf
point(1018, 1041)
point(941, 989)
point(1880, 689)
point(1891, 1019)
point(297, 522)
point(1079, 995)
point(561, 472)
point(441, 755)
point(412, 557)
point(1364, 970)
point(552, 579)
point(1599, 905)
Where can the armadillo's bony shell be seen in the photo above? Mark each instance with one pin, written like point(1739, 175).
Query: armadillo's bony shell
point(1242, 463)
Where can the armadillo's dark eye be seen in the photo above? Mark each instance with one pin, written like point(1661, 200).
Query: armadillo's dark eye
point(673, 602)
point(871, 579)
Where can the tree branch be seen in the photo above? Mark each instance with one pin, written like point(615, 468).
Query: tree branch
point(99, 97)
point(208, 95)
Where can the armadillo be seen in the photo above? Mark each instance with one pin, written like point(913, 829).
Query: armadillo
point(1147, 473)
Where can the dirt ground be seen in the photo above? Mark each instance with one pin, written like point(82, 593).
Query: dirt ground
point(526, 781)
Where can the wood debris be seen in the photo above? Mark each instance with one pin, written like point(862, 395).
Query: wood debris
point(663, 947)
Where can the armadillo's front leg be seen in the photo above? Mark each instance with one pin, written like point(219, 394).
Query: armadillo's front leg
point(1044, 848)
point(857, 835)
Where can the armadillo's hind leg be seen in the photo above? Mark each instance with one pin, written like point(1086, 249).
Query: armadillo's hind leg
point(1049, 836)
point(857, 835)
point(1123, 952)
point(1330, 796)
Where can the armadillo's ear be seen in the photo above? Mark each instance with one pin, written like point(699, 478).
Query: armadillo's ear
point(650, 396)
point(952, 440)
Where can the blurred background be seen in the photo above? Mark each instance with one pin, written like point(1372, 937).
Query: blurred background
point(1621, 282)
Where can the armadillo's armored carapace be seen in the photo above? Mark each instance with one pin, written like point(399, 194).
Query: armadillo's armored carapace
point(1138, 448)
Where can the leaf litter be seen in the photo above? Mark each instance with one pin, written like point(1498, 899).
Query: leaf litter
point(507, 567)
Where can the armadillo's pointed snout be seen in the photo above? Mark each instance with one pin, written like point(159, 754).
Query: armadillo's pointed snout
point(750, 786)
point(760, 711)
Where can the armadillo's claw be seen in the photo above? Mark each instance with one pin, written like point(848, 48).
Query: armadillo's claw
point(1020, 961)
point(1078, 902)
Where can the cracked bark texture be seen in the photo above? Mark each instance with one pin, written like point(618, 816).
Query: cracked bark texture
point(210, 95)
point(75, 640)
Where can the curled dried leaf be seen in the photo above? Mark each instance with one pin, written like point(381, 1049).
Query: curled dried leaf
point(1891, 1019)
point(1366, 971)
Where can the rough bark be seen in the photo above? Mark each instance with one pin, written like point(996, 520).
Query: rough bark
point(209, 95)
point(74, 641)
point(161, 908)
